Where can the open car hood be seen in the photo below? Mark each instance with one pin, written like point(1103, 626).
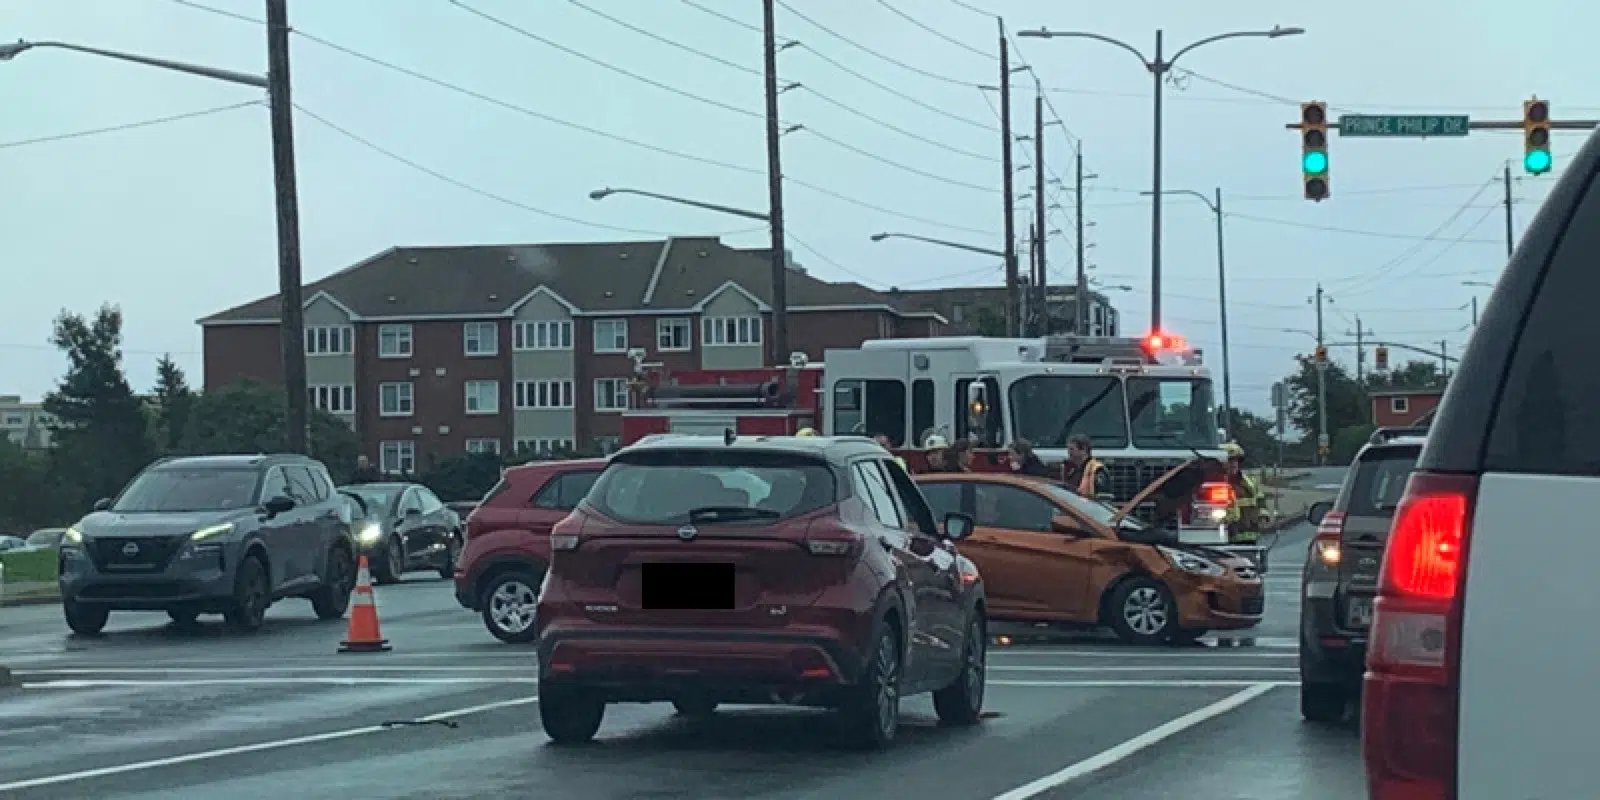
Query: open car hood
point(1191, 471)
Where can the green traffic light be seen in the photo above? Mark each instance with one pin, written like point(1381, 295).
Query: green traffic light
point(1537, 161)
point(1314, 162)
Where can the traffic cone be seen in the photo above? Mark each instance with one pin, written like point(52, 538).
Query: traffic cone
point(363, 636)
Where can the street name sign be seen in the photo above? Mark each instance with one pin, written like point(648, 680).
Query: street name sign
point(1396, 125)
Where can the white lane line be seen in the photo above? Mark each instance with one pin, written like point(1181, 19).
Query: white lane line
point(1132, 746)
point(1151, 668)
point(1147, 684)
point(74, 683)
point(1203, 654)
point(276, 744)
point(21, 673)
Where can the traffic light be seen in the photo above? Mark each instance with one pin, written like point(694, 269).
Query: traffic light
point(1381, 358)
point(1314, 149)
point(1321, 354)
point(1536, 157)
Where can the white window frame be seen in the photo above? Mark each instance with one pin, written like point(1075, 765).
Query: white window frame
point(404, 457)
point(541, 334)
point(403, 345)
point(543, 445)
point(330, 340)
point(473, 403)
point(473, 333)
point(1400, 405)
point(618, 388)
point(666, 326)
point(332, 398)
point(484, 446)
point(405, 395)
point(526, 394)
point(608, 344)
point(745, 331)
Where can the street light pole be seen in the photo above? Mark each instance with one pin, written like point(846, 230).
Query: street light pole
point(1222, 297)
point(971, 248)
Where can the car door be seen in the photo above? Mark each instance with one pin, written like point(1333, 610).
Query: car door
point(410, 523)
point(916, 571)
point(431, 530)
point(279, 533)
point(1028, 567)
point(943, 599)
point(312, 519)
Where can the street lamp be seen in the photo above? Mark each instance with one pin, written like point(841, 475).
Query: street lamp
point(601, 194)
point(291, 327)
point(1158, 68)
point(1222, 295)
point(1483, 284)
point(971, 248)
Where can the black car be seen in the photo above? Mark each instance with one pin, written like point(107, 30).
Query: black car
point(211, 534)
point(404, 527)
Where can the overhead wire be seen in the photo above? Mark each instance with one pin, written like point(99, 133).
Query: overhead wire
point(128, 126)
point(935, 32)
point(1379, 277)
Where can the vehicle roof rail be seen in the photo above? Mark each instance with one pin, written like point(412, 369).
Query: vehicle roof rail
point(1389, 434)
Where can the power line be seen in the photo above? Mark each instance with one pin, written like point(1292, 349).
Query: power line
point(128, 126)
point(874, 53)
point(646, 32)
point(1374, 276)
point(826, 260)
point(1350, 231)
point(902, 131)
point(881, 209)
point(902, 167)
point(936, 33)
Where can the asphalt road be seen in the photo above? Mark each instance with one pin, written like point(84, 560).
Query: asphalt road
point(150, 711)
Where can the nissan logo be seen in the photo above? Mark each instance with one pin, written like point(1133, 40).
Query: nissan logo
point(688, 532)
point(130, 549)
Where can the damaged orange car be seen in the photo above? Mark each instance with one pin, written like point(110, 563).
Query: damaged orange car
point(1049, 555)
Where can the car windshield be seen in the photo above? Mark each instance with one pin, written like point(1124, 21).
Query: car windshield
point(1093, 509)
point(669, 488)
point(176, 489)
point(1172, 412)
point(376, 498)
point(1049, 409)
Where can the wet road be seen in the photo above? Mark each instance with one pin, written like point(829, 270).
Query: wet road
point(150, 711)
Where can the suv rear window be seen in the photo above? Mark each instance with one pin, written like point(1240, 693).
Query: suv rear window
point(1380, 480)
point(662, 487)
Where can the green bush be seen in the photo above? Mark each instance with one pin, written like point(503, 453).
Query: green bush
point(32, 565)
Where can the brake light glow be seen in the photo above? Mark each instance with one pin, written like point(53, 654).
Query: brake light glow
point(1216, 494)
point(1425, 546)
point(1326, 543)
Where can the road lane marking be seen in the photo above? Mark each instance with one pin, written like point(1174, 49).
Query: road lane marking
point(276, 744)
point(1132, 746)
point(72, 683)
point(23, 673)
point(1125, 668)
point(1204, 653)
point(1146, 684)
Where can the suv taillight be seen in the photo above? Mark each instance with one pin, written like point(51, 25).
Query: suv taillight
point(1409, 719)
point(1216, 494)
point(1210, 506)
point(1326, 543)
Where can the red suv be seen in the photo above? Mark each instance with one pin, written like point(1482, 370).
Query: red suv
point(508, 542)
point(766, 570)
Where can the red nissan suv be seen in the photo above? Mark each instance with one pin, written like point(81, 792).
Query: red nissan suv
point(758, 570)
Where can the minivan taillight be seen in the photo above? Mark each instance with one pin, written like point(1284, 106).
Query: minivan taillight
point(1410, 701)
point(1326, 542)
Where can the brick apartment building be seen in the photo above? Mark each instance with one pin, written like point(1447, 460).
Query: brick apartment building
point(431, 351)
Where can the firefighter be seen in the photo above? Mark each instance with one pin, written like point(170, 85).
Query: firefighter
point(884, 442)
point(806, 432)
point(1244, 516)
point(1082, 472)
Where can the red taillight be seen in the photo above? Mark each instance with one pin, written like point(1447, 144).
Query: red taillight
point(825, 538)
point(1409, 720)
point(1216, 494)
point(1327, 542)
point(568, 533)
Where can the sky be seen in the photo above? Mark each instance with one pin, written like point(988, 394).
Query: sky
point(498, 137)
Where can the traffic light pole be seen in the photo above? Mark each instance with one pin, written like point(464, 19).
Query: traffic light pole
point(1322, 388)
point(1511, 240)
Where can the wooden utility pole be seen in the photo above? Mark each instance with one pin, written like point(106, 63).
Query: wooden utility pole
point(1008, 190)
point(291, 322)
point(1042, 287)
point(780, 252)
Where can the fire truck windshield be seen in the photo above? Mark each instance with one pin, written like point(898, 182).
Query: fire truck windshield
point(1172, 412)
point(1047, 410)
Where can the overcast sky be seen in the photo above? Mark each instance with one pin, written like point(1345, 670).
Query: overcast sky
point(175, 220)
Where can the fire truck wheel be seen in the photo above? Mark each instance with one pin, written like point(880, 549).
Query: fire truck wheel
point(1140, 611)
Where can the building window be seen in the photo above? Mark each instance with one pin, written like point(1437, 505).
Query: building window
point(544, 394)
point(544, 446)
point(611, 394)
point(611, 336)
point(481, 338)
point(489, 447)
point(958, 313)
point(332, 399)
point(1400, 405)
point(672, 335)
point(542, 335)
point(730, 331)
point(483, 397)
point(394, 341)
point(395, 400)
point(397, 458)
point(330, 340)
point(14, 420)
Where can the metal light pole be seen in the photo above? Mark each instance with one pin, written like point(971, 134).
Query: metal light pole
point(971, 248)
point(601, 194)
point(1482, 284)
point(1158, 67)
point(1222, 298)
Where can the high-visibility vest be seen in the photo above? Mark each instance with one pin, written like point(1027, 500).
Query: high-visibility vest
point(1246, 497)
point(1091, 470)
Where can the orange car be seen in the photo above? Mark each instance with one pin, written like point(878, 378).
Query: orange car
point(1049, 555)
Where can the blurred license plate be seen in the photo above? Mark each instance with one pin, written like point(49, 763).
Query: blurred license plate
point(1358, 613)
point(687, 587)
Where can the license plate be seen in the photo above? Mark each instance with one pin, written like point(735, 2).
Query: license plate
point(1358, 613)
point(687, 587)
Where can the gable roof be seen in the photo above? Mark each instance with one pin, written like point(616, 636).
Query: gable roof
point(677, 274)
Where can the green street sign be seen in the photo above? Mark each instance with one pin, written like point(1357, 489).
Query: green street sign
point(1400, 125)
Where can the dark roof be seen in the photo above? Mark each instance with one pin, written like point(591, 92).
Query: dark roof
point(1405, 392)
point(594, 277)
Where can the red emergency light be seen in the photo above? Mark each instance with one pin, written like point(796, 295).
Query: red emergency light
point(1159, 341)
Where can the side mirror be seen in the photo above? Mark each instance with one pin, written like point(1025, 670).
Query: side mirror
point(102, 504)
point(1317, 511)
point(957, 526)
point(278, 505)
point(1064, 524)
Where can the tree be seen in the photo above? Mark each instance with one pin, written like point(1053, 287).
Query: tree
point(1347, 400)
point(249, 417)
point(1413, 375)
point(1255, 434)
point(989, 322)
point(465, 476)
point(101, 434)
point(31, 496)
point(173, 402)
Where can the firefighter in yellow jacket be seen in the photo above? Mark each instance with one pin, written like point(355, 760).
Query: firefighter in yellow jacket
point(1244, 516)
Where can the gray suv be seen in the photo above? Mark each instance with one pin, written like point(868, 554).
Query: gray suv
point(211, 534)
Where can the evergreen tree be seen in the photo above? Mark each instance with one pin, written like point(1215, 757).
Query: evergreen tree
point(174, 400)
point(101, 434)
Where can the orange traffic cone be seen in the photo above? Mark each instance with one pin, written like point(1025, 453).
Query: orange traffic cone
point(363, 636)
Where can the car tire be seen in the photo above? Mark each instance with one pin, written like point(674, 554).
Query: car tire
point(251, 596)
point(392, 564)
point(85, 620)
point(870, 711)
point(694, 706)
point(1140, 611)
point(452, 551)
point(570, 716)
point(961, 703)
point(332, 599)
point(508, 606)
point(1323, 702)
point(183, 617)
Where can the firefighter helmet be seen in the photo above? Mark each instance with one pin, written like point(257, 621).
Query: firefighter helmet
point(935, 442)
point(806, 432)
point(1233, 450)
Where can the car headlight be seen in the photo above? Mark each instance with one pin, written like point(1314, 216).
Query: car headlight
point(370, 533)
point(211, 532)
point(1189, 562)
point(72, 536)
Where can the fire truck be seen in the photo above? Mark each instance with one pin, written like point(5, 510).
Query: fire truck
point(1147, 405)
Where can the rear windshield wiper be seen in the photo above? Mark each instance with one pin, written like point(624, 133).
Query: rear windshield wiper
point(730, 514)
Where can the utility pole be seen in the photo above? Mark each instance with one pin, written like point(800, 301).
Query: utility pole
point(1361, 351)
point(1444, 359)
point(1222, 310)
point(1511, 241)
point(780, 252)
point(1158, 68)
point(1013, 280)
point(1039, 208)
point(1322, 386)
point(1034, 323)
point(1474, 311)
point(1083, 275)
point(291, 325)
